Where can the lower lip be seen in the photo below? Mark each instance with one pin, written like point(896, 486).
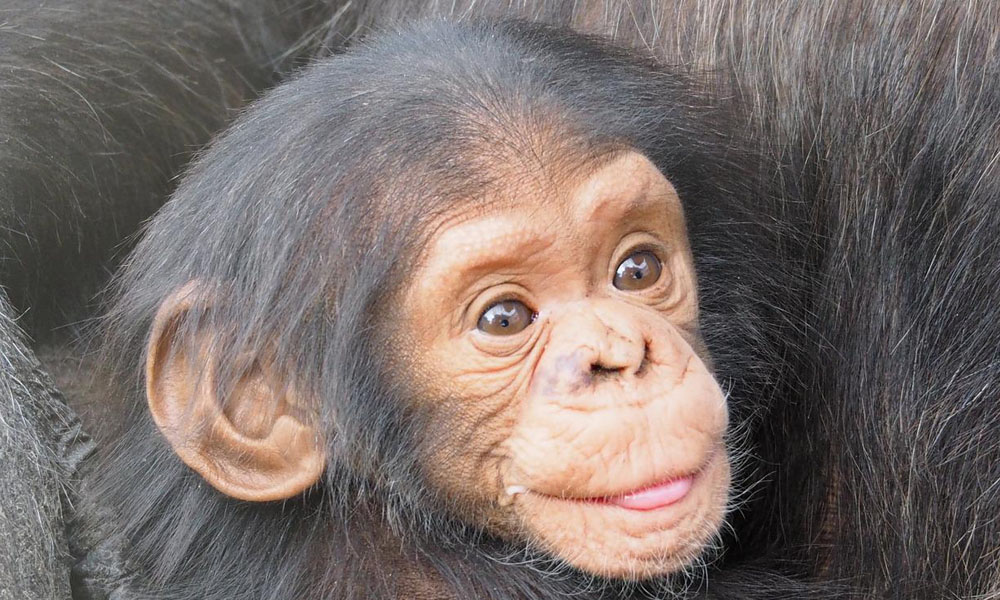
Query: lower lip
point(655, 496)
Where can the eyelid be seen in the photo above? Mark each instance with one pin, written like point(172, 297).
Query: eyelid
point(656, 250)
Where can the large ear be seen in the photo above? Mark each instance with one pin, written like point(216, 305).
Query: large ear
point(258, 444)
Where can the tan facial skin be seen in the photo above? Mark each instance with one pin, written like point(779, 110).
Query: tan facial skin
point(601, 395)
point(546, 424)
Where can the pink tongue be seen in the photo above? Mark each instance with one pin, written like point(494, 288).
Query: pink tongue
point(656, 496)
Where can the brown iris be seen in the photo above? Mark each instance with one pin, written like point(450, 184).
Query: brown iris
point(505, 318)
point(637, 272)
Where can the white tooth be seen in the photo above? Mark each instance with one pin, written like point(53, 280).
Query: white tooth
point(513, 490)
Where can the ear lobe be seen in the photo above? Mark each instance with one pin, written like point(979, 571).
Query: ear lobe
point(254, 445)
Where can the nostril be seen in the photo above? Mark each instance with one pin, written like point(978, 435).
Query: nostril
point(600, 371)
point(644, 361)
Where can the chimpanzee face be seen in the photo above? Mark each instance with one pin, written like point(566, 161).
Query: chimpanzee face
point(557, 334)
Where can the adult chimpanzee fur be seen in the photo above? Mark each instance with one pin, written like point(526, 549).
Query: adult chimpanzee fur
point(41, 447)
point(101, 103)
point(300, 225)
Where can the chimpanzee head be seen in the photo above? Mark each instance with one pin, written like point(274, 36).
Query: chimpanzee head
point(447, 275)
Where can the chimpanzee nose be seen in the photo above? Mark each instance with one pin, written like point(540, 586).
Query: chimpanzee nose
point(620, 349)
point(590, 345)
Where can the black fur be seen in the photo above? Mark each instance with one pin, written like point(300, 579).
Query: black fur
point(875, 424)
point(101, 103)
point(41, 446)
point(850, 310)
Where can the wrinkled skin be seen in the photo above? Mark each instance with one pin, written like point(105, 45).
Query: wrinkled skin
point(602, 394)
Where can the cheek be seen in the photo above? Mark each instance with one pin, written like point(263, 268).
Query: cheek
point(476, 379)
point(479, 375)
point(473, 401)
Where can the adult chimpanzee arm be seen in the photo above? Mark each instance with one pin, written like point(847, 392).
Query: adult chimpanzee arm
point(41, 446)
point(101, 103)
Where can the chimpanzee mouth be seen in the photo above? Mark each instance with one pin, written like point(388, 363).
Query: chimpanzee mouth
point(651, 497)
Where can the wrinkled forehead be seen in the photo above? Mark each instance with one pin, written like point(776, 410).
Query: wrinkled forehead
point(626, 188)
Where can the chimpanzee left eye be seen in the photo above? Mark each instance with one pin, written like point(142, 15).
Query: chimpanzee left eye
point(637, 272)
point(506, 318)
